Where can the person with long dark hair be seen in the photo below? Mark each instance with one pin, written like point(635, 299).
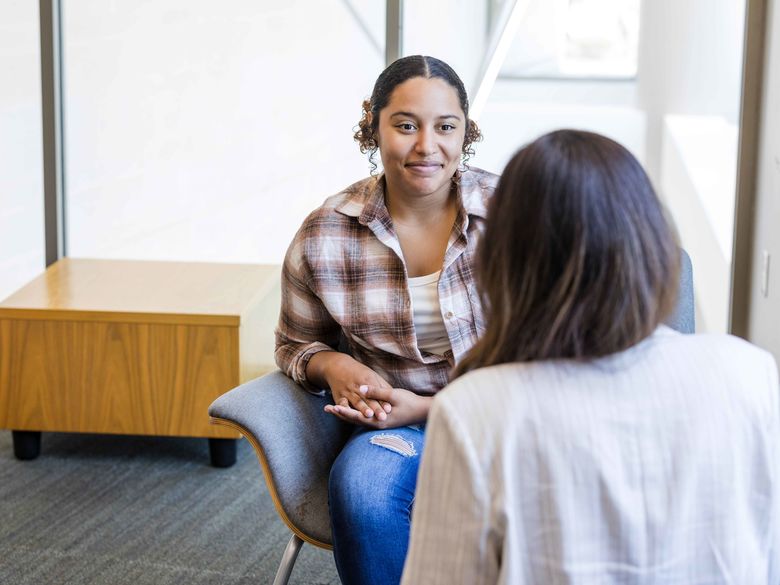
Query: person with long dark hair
point(385, 269)
point(582, 441)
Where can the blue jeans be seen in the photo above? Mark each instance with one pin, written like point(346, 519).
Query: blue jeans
point(371, 492)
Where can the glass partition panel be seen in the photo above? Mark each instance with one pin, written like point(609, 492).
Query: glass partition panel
point(575, 39)
point(197, 130)
point(22, 252)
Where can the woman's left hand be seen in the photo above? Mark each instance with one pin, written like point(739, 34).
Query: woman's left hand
point(408, 408)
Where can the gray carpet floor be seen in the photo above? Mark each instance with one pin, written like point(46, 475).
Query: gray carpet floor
point(103, 509)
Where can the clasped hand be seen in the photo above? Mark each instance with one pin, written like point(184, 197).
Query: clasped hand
point(361, 396)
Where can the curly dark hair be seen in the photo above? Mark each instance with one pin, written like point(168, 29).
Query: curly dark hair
point(395, 74)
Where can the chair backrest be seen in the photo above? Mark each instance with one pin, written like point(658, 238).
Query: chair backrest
point(683, 318)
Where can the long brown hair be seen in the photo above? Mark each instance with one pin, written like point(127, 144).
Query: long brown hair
point(577, 260)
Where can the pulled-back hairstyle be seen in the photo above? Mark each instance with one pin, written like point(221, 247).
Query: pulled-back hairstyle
point(395, 74)
point(577, 260)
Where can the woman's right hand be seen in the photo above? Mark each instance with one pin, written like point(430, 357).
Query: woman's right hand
point(344, 375)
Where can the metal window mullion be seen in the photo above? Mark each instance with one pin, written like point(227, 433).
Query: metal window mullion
point(750, 118)
point(51, 114)
point(394, 28)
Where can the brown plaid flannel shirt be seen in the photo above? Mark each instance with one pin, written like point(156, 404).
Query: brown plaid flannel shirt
point(344, 273)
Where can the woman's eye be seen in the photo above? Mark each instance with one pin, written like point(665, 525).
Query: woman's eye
point(447, 127)
point(406, 126)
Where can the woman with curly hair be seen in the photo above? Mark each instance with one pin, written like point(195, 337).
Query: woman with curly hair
point(385, 268)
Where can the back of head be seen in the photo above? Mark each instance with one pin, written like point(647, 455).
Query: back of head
point(577, 260)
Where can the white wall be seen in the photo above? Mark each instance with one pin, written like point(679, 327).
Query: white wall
point(690, 62)
point(197, 130)
point(764, 315)
point(689, 84)
point(518, 111)
point(21, 155)
point(699, 169)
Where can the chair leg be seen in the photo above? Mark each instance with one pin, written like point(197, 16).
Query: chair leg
point(288, 560)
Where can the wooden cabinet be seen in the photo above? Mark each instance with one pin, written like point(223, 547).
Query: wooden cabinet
point(133, 347)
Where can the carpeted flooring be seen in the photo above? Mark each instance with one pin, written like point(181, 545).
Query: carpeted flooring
point(103, 509)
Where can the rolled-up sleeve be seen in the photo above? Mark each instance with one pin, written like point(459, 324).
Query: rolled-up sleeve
point(305, 325)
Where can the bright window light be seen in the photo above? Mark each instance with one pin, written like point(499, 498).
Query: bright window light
point(576, 38)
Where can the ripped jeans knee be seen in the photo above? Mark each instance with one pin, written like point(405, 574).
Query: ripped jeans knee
point(371, 495)
point(394, 443)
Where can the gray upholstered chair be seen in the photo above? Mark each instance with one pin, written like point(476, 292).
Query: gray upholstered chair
point(296, 441)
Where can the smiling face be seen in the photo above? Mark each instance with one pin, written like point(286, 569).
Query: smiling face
point(420, 137)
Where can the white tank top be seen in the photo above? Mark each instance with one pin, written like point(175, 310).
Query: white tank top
point(426, 314)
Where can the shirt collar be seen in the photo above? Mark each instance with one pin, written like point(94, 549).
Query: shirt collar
point(472, 192)
point(366, 201)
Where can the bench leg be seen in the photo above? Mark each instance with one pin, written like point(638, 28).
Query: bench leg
point(222, 452)
point(27, 444)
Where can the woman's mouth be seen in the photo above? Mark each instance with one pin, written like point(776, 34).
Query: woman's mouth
point(423, 167)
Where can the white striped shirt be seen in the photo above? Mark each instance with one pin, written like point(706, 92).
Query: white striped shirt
point(656, 465)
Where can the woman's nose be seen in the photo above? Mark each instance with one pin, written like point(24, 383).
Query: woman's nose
point(425, 142)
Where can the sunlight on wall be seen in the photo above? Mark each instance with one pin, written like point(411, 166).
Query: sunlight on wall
point(698, 178)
